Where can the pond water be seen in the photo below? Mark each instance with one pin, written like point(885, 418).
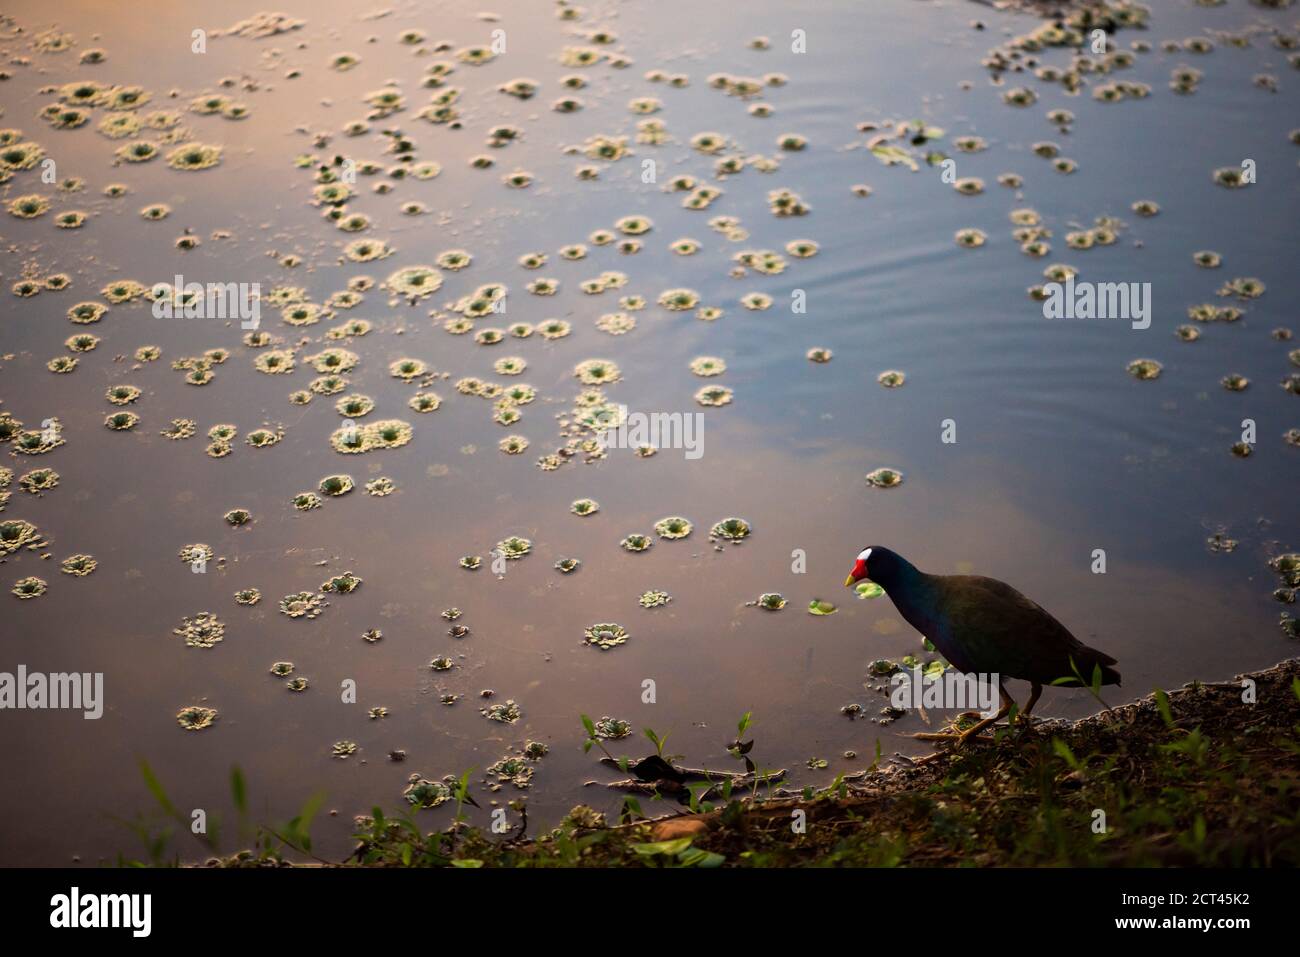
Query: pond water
point(1058, 452)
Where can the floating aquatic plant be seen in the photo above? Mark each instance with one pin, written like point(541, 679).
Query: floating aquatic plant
point(302, 604)
point(196, 717)
point(36, 481)
point(1230, 177)
point(708, 366)
point(202, 631)
point(636, 543)
point(336, 485)
point(771, 601)
point(17, 533)
point(414, 282)
point(248, 596)
point(585, 506)
point(263, 438)
point(121, 421)
point(341, 584)
point(616, 323)
point(334, 360)
point(567, 565)
point(407, 369)
point(507, 712)
point(29, 587)
point(1243, 287)
point(194, 156)
point(84, 313)
point(274, 362)
point(1144, 368)
point(554, 329)
point(714, 395)
point(884, 478)
point(422, 793)
point(354, 406)
point(611, 729)
point(471, 562)
point(654, 599)
point(673, 527)
point(605, 635)
point(514, 547)
point(597, 372)
point(31, 441)
point(679, 300)
point(732, 529)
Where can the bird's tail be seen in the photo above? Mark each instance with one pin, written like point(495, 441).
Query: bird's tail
point(1086, 662)
point(1090, 660)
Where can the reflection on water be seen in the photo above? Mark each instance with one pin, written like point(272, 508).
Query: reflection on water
point(1058, 451)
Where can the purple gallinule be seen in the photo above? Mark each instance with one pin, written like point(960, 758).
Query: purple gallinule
point(984, 626)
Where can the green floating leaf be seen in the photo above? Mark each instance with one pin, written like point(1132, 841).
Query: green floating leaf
point(819, 607)
point(868, 590)
point(893, 156)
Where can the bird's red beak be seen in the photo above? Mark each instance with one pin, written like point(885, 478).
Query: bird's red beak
point(859, 572)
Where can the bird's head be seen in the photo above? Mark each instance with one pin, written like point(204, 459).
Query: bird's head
point(861, 568)
point(878, 564)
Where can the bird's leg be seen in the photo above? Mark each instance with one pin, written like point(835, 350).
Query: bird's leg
point(960, 738)
point(1033, 700)
point(975, 729)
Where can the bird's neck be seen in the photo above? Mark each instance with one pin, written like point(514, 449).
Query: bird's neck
point(909, 589)
point(901, 576)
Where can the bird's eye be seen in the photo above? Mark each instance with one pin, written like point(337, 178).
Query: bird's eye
point(864, 554)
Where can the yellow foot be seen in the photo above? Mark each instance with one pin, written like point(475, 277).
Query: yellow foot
point(970, 733)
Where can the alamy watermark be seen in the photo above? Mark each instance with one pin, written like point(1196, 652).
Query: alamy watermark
point(951, 690)
point(75, 909)
point(659, 430)
point(1098, 300)
point(78, 690)
point(213, 300)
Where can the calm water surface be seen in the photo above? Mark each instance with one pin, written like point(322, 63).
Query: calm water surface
point(1059, 451)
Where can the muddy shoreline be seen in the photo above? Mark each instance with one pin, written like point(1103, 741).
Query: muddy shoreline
point(1204, 775)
